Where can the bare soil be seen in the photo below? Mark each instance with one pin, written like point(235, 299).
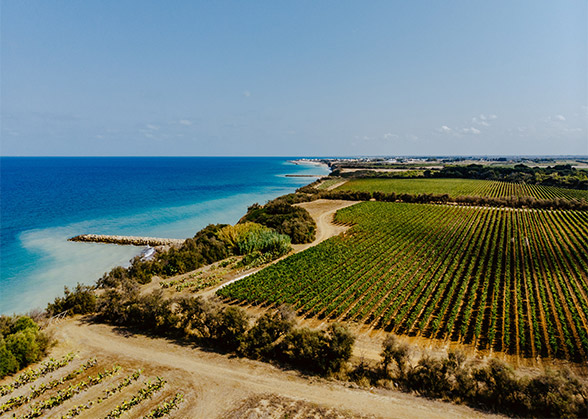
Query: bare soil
point(217, 385)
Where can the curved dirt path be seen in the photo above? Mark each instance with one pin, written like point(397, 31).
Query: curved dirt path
point(213, 383)
point(323, 211)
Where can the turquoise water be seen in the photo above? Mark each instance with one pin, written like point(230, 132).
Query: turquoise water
point(44, 201)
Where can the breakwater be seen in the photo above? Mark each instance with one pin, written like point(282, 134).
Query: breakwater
point(127, 240)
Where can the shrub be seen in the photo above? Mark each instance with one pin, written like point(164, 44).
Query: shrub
point(316, 350)
point(259, 342)
point(22, 342)
point(285, 218)
point(81, 300)
point(230, 328)
point(392, 350)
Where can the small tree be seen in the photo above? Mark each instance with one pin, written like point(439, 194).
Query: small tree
point(392, 350)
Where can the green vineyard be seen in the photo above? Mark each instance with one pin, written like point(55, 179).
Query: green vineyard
point(500, 279)
point(462, 187)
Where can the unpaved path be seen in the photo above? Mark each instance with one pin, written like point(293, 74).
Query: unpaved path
point(214, 383)
point(323, 211)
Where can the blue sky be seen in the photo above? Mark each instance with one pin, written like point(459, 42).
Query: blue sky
point(294, 78)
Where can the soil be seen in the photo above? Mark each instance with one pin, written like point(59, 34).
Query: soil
point(216, 385)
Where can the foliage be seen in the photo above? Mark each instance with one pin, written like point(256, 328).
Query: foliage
point(35, 392)
point(563, 175)
point(32, 374)
point(37, 409)
point(494, 386)
point(490, 191)
point(22, 342)
point(285, 218)
point(248, 237)
point(500, 279)
point(317, 351)
point(144, 393)
point(81, 300)
point(260, 340)
point(125, 382)
point(165, 407)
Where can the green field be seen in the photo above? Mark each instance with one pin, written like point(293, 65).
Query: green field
point(501, 279)
point(462, 187)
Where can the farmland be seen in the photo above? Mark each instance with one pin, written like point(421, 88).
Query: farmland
point(71, 388)
point(499, 279)
point(462, 187)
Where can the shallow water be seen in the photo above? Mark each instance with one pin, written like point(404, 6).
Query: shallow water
point(44, 201)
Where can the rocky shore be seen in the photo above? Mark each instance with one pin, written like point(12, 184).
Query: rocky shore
point(127, 240)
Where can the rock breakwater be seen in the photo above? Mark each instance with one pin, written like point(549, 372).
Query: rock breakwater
point(127, 240)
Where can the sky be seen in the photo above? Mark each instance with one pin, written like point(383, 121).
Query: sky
point(293, 78)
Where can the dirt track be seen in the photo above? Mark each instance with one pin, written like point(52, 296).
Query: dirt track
point(323, 211)
point(213, 384)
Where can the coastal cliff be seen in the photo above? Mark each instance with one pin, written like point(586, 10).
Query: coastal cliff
point(127, 240)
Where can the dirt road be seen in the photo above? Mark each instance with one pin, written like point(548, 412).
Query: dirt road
point(323, 211)
point(214, 384)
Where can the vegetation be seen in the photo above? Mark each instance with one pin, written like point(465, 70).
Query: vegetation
point(462, 187)
point(164, 408)
point(493, 386)
point(272, 337)
point(35, 392)
point(499, 279)
point(22, 342)
point(285, 218)
point(32, 374)
point(81, 300)
point(563, 175)
point(144, 393)
point(127, 381)
point(57, 399)
point(559, 175)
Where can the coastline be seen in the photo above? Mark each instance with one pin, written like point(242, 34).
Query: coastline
point(39, 257)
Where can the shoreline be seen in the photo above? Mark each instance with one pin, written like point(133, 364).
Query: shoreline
point(65, 262)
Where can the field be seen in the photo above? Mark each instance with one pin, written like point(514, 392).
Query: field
point(499, 279)
point(462, 187)
point(68, 388)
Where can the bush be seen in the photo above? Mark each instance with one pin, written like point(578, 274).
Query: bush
point(392, 350)
point(317, 351)
point(229, 329)
point(22, 342)
point(285, 218)
point(260, 340)
point(81, 300)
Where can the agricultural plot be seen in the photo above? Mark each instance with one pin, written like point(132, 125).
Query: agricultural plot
point(462, 187)
point(499, 279)
point(202, 278)
point(83, 387)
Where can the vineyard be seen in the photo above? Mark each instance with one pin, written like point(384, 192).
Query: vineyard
point(462, 187)
point(500, 279)
point(67, 388)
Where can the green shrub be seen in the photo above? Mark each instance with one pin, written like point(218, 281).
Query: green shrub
point(259, 342)
point(22, 342)
point(81, 300)
point(285, 218)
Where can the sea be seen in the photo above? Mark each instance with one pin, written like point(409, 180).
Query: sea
point(46, 200)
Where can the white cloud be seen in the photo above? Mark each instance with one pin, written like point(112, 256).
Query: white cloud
point(483, 119)
point(471, 130)
point(560, 117)
point(185, 122)
point(445, 129)
point(390, 136)
point(153, 127)
point(246, 93)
